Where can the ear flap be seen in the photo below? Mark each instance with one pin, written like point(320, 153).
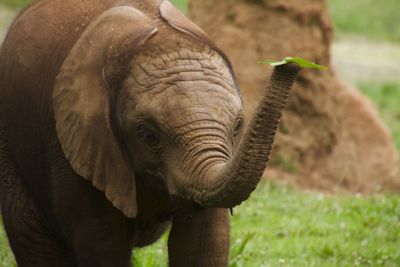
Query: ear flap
point(177, 20)
point(82, 106)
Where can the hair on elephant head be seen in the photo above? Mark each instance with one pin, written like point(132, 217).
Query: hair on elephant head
point(136, 98)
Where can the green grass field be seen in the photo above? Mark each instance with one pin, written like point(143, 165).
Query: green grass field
point(279, 226)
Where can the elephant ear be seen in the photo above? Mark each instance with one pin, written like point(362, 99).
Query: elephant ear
point(83, 102)
point(179, 21)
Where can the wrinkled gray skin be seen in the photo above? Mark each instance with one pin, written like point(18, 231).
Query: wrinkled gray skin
point(125, 118)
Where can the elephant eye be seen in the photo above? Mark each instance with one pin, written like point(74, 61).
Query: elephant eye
point(238, 126)
point(149, 136)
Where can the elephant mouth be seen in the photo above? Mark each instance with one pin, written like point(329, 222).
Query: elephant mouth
point(153, 179)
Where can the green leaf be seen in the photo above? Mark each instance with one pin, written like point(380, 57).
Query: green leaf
point(299, 61)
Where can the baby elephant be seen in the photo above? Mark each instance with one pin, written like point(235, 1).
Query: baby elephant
point(119, 118)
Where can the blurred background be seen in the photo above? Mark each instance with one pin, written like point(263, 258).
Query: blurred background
point(331, 193)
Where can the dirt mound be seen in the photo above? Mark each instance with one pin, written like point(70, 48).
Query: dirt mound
point(330, 137)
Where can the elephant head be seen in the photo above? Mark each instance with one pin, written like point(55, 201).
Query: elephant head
point(151, 96)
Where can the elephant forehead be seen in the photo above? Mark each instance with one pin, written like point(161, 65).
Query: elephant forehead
point(179, 69)
point(191, 101)
point(184, 86)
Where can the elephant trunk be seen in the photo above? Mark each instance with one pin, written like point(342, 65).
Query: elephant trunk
point(227, 185)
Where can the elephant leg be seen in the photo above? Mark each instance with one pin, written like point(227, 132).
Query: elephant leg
point(27, 231)
point(199, 238)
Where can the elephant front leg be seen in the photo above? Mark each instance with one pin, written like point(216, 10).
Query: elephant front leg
point(199, 238)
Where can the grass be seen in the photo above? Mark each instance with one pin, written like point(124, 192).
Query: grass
point(369, 18)
point(181, 4)
point(15, 3)
point(279, 226)
point(386, 97)
point(6, 258)
point(292, 228)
